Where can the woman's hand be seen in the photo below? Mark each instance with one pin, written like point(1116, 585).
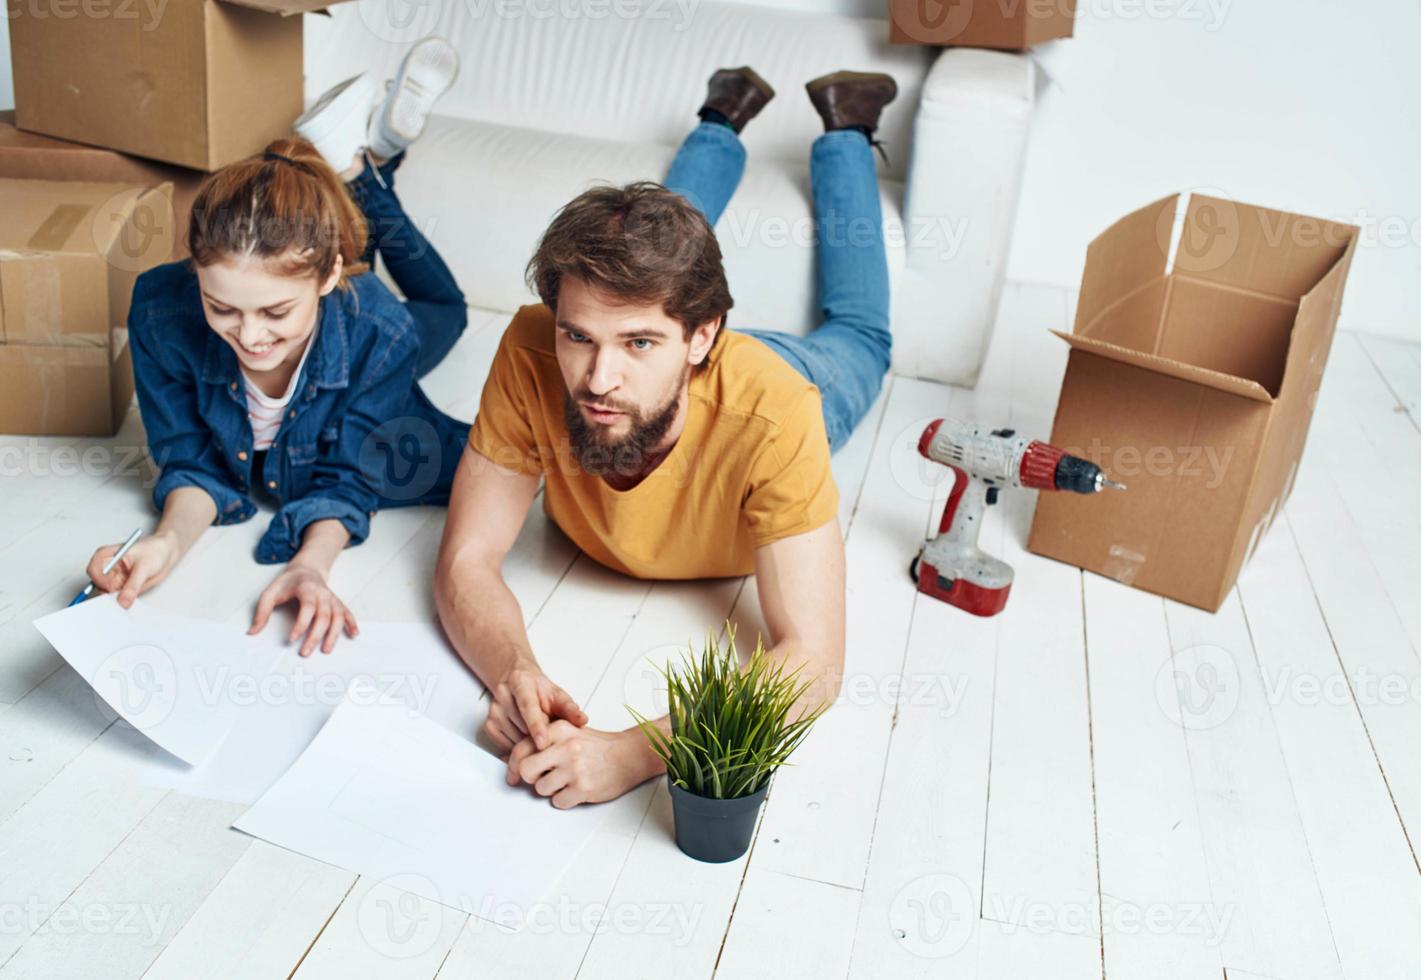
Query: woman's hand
point(321, 615)
point(144, 565)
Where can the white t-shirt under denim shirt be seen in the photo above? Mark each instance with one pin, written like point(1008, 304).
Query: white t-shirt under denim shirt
point(264, 411)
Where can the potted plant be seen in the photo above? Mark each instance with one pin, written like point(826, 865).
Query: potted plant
point(730, 730)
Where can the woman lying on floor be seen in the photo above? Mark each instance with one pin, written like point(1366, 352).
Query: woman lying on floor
point(275, 364)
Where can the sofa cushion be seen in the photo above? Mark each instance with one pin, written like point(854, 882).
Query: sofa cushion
point(483, 194)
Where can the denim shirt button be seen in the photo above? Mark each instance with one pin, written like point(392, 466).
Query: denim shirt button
point(271, 484)
point(242, 455)
point(233, 386)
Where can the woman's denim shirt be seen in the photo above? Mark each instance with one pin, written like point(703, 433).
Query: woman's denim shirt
point(358, 435)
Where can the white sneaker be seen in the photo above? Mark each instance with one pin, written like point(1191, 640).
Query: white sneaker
point(426, 73)
point(336, 123)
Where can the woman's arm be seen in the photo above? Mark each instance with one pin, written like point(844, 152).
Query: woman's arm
point(321, 616)
point(187, 511)
point(320, 544)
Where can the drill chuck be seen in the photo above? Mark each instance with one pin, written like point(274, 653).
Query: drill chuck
point(1081, 476)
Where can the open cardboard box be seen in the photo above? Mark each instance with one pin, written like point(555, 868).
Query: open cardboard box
point(1011, 25)
point(1194, 384)
point(199, 83)
point(69, 255)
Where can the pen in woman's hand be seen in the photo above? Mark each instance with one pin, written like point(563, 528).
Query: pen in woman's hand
point(88, 590)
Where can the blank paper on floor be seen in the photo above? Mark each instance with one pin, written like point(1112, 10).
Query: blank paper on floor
point(387, 793)
point(164, 674)
point(277, 719)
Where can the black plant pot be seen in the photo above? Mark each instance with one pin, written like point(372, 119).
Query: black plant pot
point(714, 830)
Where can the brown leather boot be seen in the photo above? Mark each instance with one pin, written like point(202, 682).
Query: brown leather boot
point(852, 100)
point(738, 94)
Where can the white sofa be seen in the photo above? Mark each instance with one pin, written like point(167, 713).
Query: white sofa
point(555, 95)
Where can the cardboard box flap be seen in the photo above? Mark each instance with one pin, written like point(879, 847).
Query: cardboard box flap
point(285, 7)
point(1258, 249)
point(1125, 258)
point(1242, 387)
point(1316, 322)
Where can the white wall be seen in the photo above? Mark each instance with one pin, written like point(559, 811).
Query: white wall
point(1303, 105)
point(1306, 105)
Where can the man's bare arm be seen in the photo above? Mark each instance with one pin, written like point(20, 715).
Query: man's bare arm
point(801, 584)
point(800, 580)
point(480, 614)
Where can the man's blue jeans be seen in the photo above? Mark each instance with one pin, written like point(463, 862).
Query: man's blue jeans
point(848, 354)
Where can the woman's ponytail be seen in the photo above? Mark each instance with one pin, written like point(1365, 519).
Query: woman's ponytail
point(285, 203)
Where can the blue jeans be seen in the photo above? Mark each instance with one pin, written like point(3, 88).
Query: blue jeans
point(432, 297)
point(848, 353)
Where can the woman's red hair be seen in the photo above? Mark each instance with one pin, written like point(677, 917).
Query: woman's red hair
point(285, 204)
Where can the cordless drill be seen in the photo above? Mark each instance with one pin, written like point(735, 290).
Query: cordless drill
point(951, 567)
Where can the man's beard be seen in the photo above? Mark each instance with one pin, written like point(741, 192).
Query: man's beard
point(628, 455)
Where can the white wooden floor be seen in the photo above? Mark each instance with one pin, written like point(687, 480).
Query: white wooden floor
point(1096, 783)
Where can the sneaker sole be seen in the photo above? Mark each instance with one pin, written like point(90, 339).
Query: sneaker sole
point(431, 95)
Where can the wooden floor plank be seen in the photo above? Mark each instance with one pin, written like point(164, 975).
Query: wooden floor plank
point(258, 921)
point(382, 931)
point(1368, 634)
point(137, 899)
point(818, 822)
point(921, 905)
point(1041, 758)
point(55, 841)
point(1371, 449)
point(1399, 363)
point(1256, 851)
point(1365, 868)
point(788, 927)
point(1159, 918)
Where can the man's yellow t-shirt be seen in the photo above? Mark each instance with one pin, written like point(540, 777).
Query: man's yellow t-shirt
point(751, 465)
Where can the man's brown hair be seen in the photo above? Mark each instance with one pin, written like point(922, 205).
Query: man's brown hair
point(641, 243)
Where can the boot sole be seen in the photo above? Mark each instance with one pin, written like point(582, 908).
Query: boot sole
point(833, 78)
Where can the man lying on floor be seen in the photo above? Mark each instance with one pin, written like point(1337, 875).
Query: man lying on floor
point(671, 447)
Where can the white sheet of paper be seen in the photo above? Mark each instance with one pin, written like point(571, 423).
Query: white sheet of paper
point(386, 792)
point(277, 718)
point(164, 674)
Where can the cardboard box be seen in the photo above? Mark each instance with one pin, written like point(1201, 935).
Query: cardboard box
point(31, 156)
point(1011, 25)
point(1194, 385)
point(199, 83)
point(64, 391)
point(69, 255)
